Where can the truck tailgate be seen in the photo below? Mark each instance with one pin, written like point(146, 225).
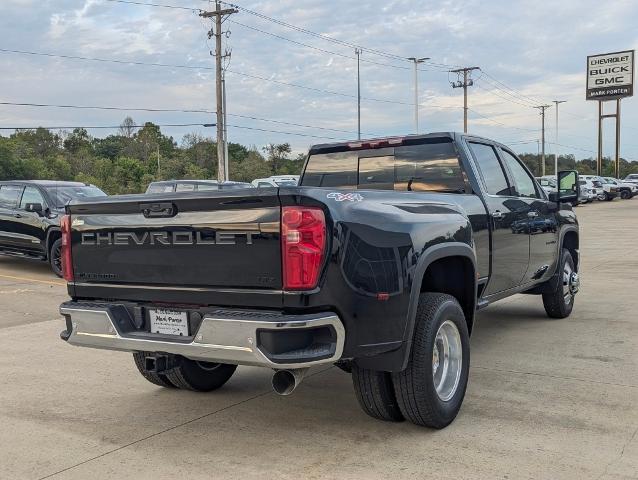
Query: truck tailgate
point(212, 239)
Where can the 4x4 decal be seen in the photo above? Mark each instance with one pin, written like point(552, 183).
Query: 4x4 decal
point(346, 197)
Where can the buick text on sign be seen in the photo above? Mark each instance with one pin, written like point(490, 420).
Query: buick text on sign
point(610, 76)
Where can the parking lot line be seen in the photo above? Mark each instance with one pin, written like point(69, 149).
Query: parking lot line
point(26, 279)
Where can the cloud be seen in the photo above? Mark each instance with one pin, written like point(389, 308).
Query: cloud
point(538, 48)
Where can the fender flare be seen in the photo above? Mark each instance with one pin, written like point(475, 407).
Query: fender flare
point(47, 240)
point(561, 239)
point(432, 254)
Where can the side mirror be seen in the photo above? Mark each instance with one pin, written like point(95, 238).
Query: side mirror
point(568, 187)
point(34, 207)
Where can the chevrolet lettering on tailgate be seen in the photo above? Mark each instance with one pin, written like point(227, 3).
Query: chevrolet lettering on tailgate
point(166, 238)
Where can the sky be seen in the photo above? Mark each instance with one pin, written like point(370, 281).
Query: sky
point(529, 52)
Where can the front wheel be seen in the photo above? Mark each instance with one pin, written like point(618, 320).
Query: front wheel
point(55, 257)
point(560, 302)
point(431, 389)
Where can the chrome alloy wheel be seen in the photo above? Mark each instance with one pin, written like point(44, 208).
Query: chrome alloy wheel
point(571, 283)
point(447, 360)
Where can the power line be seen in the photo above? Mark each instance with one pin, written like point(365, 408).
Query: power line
point(528, 98)
point(110, 127)
point(160, 5)
point(201, 67)
point(173, 110)
point(285, 133)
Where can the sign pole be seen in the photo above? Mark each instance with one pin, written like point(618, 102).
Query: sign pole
point(610, 76)
point(599, 160)
point(617, 170)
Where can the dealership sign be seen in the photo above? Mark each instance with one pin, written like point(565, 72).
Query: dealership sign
point(610, 76)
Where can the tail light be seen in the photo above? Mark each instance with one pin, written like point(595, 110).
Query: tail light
point(303, 245)
point(65, 257)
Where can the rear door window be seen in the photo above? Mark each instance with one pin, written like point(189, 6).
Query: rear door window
point(185, 187)
point(9, 195)
point(490, 168)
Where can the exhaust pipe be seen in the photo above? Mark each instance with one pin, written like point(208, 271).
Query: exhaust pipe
point(284, 382)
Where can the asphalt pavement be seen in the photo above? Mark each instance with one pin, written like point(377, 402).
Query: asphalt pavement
point(547, 399)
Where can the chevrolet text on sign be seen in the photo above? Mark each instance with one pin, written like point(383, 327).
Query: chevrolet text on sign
point(610, 76)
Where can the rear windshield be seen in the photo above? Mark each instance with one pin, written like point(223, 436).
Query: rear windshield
point(160, 188)
point(63, 195)
point(429, 167)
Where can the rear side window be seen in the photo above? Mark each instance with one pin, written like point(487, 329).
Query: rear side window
point(9, 195)
point(432, 167)
point(490, 168)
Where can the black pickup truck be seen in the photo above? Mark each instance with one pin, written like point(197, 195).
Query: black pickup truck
point(376, 262)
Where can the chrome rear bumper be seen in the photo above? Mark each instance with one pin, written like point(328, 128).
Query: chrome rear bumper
point(223, 336)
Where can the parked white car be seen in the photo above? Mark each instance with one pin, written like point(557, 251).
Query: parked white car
point(631, 178)
point(609, 190)
point(277, 181)
point(548, 183)
point(590, 190)
point(627, 190)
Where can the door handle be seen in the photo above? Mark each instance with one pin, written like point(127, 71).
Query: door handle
point(17, 215)
point(532, 214)
point(498, 214)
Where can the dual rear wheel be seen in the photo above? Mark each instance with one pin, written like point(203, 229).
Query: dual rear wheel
point(430, 391)
point(187, 374)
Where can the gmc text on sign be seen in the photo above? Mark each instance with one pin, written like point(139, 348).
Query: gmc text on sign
point(610, 75)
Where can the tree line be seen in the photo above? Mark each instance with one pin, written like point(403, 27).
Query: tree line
point(126, 162)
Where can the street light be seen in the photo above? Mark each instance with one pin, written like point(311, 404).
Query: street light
point(557, 102)
point(416, 89)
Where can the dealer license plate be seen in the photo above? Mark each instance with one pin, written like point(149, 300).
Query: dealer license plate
point(170, 322)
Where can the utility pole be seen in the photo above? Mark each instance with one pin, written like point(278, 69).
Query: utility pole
point(416, 90)
point(218, 15)
point(542, 108)
point(467, 82)
point(357, 52)
point(557, 103)
point(226, 169)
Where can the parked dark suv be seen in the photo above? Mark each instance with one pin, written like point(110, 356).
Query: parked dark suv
point(30, 212)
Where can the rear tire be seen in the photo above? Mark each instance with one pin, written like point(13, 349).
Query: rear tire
point(155, 378)
point(200, 376)
point(625, 195)
point(431, 389)
point(375, 393)
point(560, 302)
point(55, 257)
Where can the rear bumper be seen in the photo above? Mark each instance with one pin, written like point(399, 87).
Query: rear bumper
point(240, 337)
